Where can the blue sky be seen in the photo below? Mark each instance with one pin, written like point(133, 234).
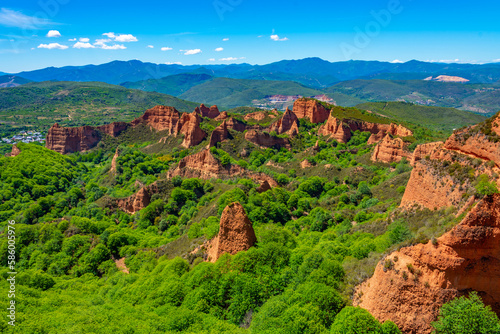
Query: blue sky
point(42, 33)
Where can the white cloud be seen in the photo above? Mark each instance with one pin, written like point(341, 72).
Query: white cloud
point(84, 40)
point(114, 47)
point(11, 18)
point(496, 60)
point(219, 49)
point(151, 46)
point(278, 39)
point(397, 61)
point(123, 38)
point(52, 46)
point(72, 39)
point(228, 59)
point(173, 63)
point(166, 48)
point(53, 33)
point(225, 39)
point(191, 52)
point(102, 43)
point(211, 59)
point(126, 38)
point(83, 45)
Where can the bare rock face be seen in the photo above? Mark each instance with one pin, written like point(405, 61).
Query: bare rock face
point(236, 125)
point(264, 139)
point(69, 140)
point(14, 152)
point(265, 186)
point(212, 112)
point(161, 118)
point(256, 116)
point(219, 134)
point(464, 259)
point(311, 109)
point(474, 143)
point(190, 128)
point(113, 161)
point(113, 129)
point(430, 188)
point(425, 150)
point(205, 166)
point(288, 123)
point(139, 200)
point(391, 150)
point(223, 115)
point(236, 233)
point(336, 129)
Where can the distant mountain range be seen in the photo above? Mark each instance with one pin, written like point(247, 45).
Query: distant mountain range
point(314, 72)
point(348, 83)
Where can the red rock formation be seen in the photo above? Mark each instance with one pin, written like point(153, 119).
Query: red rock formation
point(288, 123)
point(190, 128)
point(113, 129)
point(219, 134)
point(212, 112)
point(265, 186)
point(311, 109)
point(113, 162)
point(391, 150)
point(336, 129)
point(425, 150)
point(431, 188)
point(256, 116)
point(236, 233)
point(69, 140)
point(14, 152)
point(139, 200)
point(160, 118)
point(466, 258)
point(305, 164)
point(223, 115)
point(235, 125)
point(205, 166)
point(264, 139)
point(475, 143)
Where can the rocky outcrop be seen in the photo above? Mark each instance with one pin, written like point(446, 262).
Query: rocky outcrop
point(336, 129)
point(114, 161)
point(69, 140)
point(288, 123)
point(139, 200)
point(113, 129)
point(223, 115)
point(14, 152)
point(410, 285)
point(255, 116)
point(265, 186)
point(203, 111)
point(265, 140)
point(311, 109)
point(425, 150)
point(391, 150)
point(236, 233)
point(235, 125)
point(430, 186)
point(205, 166)
point(474, 143)
point(161, 118)
point(341, 130)
point(190, 128)
point(305, 164)
point(219, 134)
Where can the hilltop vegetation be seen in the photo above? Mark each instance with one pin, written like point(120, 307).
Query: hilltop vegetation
point(436, 118)
point(39, 105)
